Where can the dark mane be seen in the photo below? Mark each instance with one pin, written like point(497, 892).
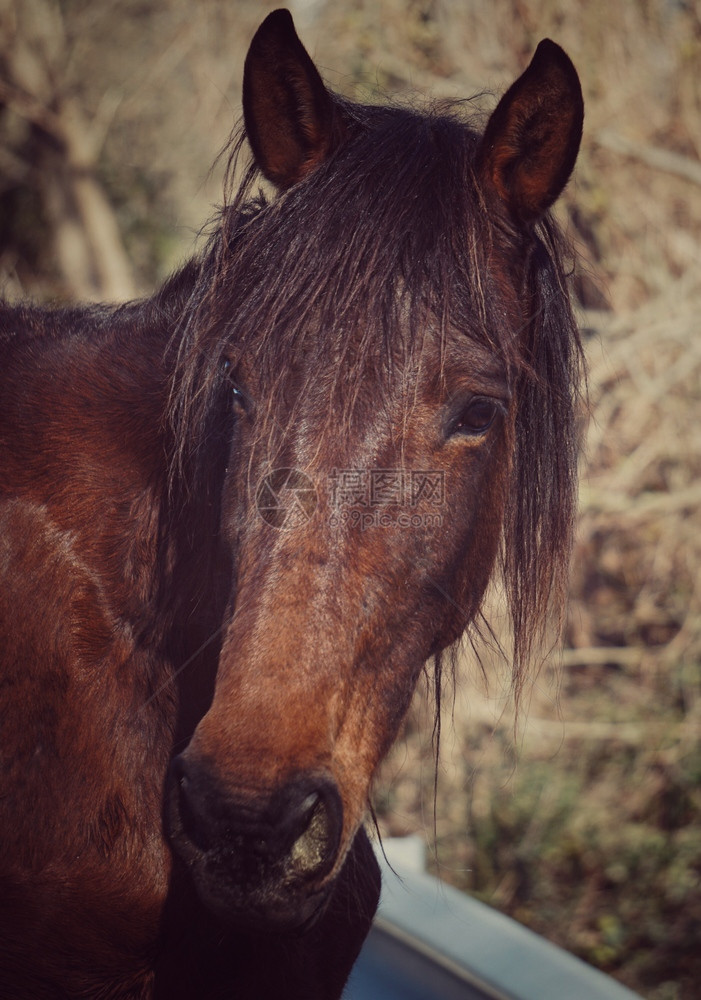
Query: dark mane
point(380, 256)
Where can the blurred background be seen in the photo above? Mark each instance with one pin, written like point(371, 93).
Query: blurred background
point(580, 815)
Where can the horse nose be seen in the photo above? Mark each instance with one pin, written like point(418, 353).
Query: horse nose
point(297, 828)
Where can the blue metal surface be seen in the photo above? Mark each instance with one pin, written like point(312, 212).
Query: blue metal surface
point(431, 942)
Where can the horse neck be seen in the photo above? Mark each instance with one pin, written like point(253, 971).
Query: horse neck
point(85, 441)
point(83, 397)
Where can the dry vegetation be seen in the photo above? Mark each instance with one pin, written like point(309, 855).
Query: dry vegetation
point(587, 824)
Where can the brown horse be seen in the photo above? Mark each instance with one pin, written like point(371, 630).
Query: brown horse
point(236, 519)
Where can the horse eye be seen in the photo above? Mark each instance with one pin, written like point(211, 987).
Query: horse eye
point(475, 418)
point(237, 394)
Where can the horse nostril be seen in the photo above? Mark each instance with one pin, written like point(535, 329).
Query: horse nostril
point(317, 829)
point(308, 808)
point(192, 818)
point(308, 849)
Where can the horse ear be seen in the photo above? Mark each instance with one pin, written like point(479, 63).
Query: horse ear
point(531, 142)
point(291, 120)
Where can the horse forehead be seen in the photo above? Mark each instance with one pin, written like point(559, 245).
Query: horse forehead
point(326, 383)
point(484, 366)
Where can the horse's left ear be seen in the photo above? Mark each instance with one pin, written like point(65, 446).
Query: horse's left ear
point(530, 145)
point(291, 119)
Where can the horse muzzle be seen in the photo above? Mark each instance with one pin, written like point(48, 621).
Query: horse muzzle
point(263, 862)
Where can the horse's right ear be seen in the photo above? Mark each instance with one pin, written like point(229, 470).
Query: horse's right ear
point(529, 147)
point(291, 120)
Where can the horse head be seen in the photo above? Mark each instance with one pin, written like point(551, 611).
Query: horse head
point(390, 339)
